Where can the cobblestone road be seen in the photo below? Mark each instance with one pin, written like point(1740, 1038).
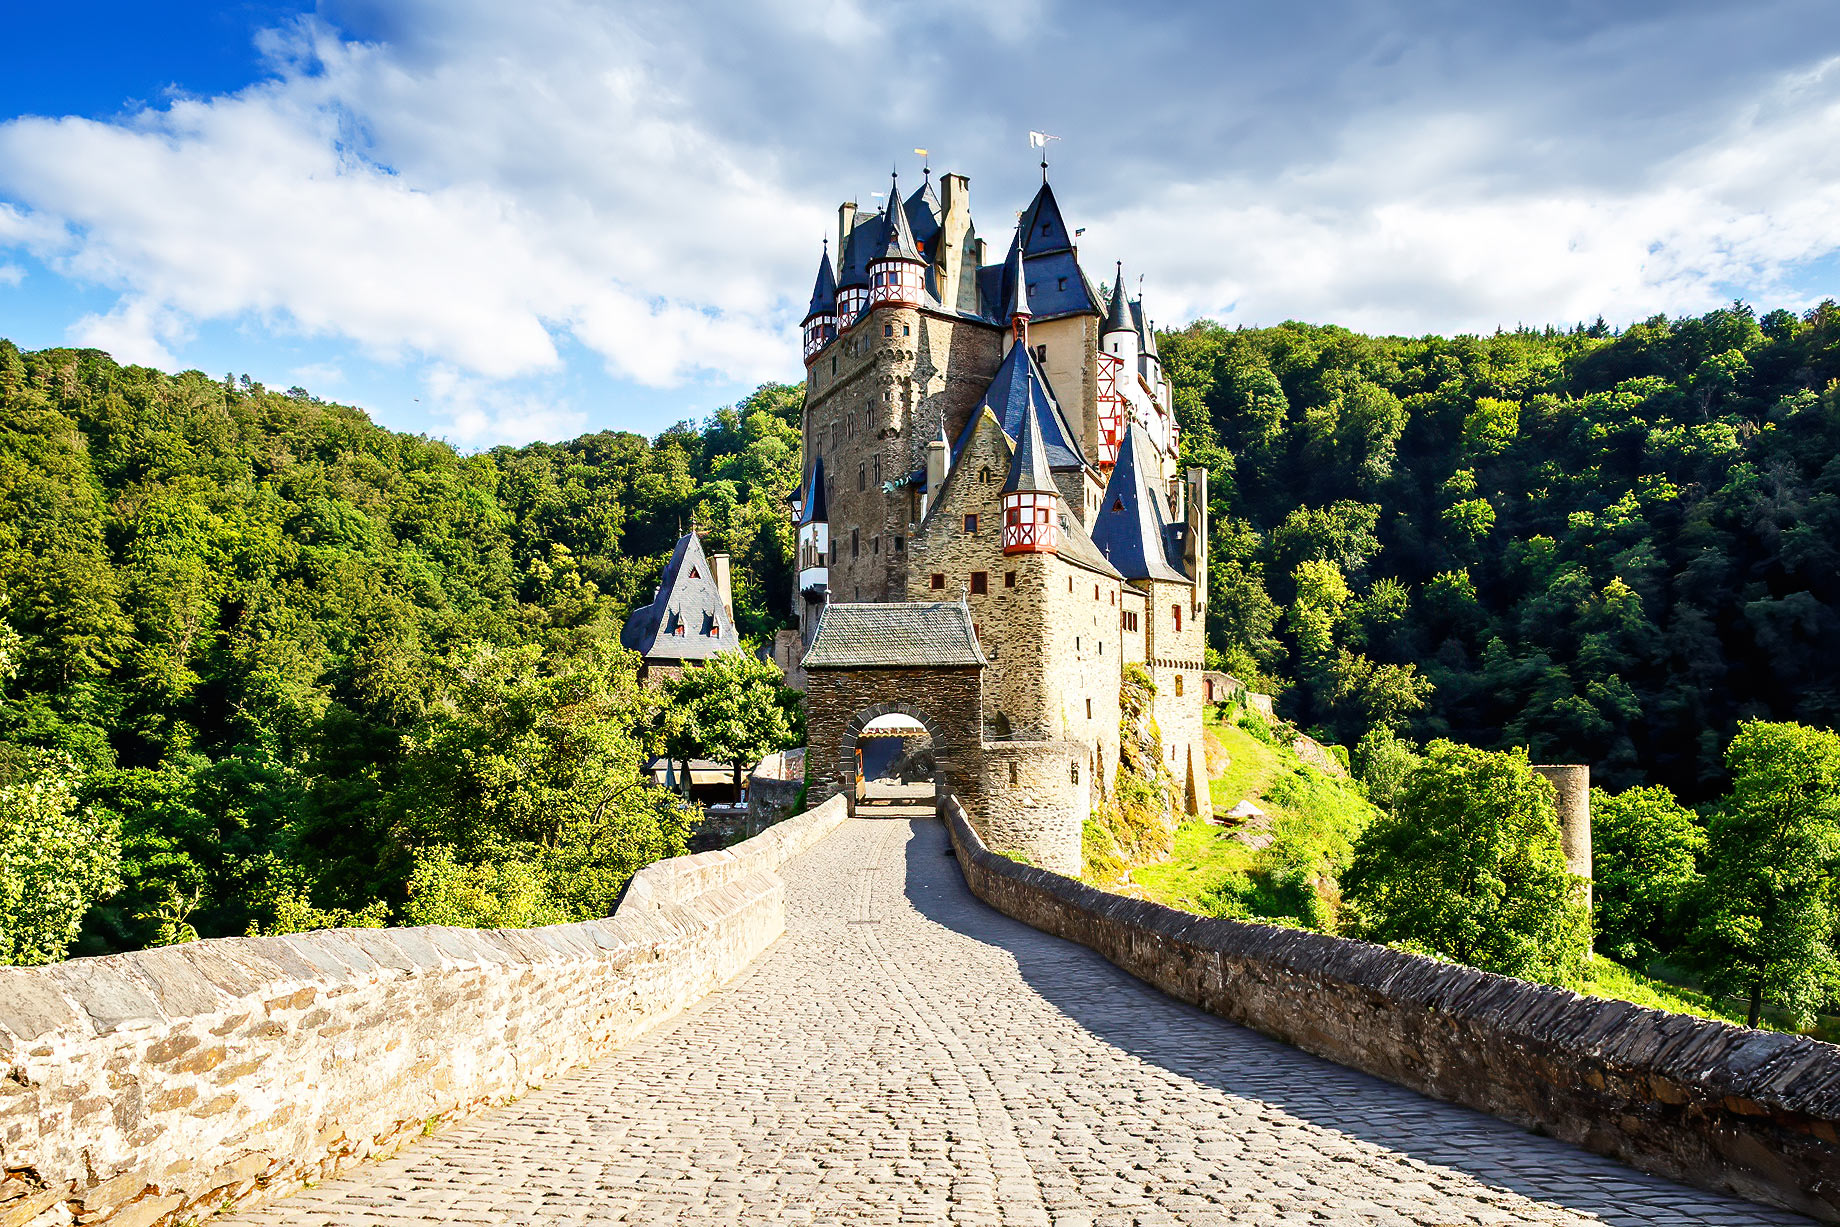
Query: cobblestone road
point(907, 1055)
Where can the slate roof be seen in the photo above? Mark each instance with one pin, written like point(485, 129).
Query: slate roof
point(1130, 528)
point(897, 237)
point(1028, 465)
point(824, 291)
point(688, 598)
point(1018, 384)
point(1049, 262)
point(816, 509)
point(906, 634)
point(853, 261)
point(1118, 312)
point(924, 212)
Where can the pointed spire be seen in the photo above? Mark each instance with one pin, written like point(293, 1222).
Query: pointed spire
point(899, 233)
point(1019, 312)
point(824, 290)
point(816, 509)
point(1029, 471)
point(1118, 313)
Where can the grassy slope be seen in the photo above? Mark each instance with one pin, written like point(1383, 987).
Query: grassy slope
point(1313, 809)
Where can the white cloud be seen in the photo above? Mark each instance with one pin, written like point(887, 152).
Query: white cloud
point(316, 375)
point(470, 210)
point(482, 413)
point(11, 274)
point(475, 190)
point(1403, 236)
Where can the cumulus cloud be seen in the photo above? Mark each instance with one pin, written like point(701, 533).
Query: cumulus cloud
point(480, 192)
point(481, 413)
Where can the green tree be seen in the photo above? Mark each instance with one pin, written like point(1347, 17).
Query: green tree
point(735, 709)
point(1768, 911)
point(57, 857)
point(1469, 866)
point(1645, 849)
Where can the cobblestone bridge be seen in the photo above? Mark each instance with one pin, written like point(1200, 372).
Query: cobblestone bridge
point(906, 1055)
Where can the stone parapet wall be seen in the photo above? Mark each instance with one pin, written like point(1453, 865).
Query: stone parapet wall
point(1723, 1107)
point(165, 1085)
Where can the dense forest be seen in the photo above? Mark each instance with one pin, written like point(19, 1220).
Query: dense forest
point(1608, 548)
point(265, 664)
point(297, 668)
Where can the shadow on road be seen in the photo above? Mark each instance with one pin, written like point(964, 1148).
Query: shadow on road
point(1132, 1016)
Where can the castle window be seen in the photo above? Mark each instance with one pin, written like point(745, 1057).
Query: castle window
point(862, 477)
point(984, 477)
point(878, 470)
point(907, 330)
point(1009, 579)
point(875, 544)
point(971, 523)
point(900, 544)
point(1178, 685)
point(1070, 583)
point(1176, 612)
point(977, 631)
point(1095, 592)
point(1063, 284)
point(1088, 716)
point(980, 583)
point(887, 330)
point(1041, 354)
point(836, 434)
point(855, 543)
point(1012, 773)
point(695, 574)
point(1076, 773)
point(939, 581)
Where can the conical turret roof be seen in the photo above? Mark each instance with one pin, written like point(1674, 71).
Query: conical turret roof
point(816, 510)
point(1029, 469)
point(1019, 291)
point(824, 290)
point(898, 236)
point(1118, 313)
point(1130, 528)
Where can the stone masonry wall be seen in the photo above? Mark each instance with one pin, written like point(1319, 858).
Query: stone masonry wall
point(1036, 801)
point(150, 1088)
point(946, 701)
point(1703, 1102)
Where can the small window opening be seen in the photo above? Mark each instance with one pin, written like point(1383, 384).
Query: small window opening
point(971, 523)
point(1009, 579)
point(939, 580)
point(980, 583)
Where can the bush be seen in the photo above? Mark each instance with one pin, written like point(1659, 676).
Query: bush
point(1470, 865)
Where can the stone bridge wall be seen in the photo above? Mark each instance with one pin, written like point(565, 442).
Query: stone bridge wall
point(1703, 1102)
point(163, 1085)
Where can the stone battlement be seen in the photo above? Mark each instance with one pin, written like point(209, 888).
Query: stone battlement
point(149, 1087)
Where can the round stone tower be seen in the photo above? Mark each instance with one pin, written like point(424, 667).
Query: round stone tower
point(1572, 796)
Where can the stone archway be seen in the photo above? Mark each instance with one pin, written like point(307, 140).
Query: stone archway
point(859, 730)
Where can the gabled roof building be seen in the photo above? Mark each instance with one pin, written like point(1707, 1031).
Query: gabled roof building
point(690, 618)
point(996, 432)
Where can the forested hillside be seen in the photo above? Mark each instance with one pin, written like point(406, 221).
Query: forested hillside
point(1607, 548)
point(298, 664)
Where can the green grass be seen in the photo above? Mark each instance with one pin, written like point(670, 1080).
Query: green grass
point(1604, 977)
point(1315, 819)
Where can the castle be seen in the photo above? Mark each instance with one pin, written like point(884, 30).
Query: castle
point(991, 491)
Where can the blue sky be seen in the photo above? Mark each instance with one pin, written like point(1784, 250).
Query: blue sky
point(501, 222)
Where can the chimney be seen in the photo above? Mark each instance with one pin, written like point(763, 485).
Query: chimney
point(846, 222)
point(955, 228)
point(938, 456)
point(719, 564)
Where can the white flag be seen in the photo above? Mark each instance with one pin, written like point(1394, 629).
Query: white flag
point(1039, 140)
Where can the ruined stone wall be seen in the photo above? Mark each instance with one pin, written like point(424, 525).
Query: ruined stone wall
point(1035, 801)
point(1723, 1107)
point(164, 1085)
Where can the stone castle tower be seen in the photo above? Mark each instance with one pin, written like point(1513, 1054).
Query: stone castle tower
point(999, 434)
